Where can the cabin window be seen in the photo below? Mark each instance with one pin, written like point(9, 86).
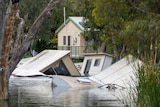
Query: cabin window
point(58, 68)
point(64, 40)
point(97, 62)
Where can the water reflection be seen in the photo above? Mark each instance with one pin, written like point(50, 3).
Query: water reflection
point(38, 92)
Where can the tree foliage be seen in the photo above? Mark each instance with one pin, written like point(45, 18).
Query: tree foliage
point(46, 34)
point(122, 26)
point(141, 34)
point(128, 26)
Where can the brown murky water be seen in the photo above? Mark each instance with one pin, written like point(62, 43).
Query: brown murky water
point(38, 92)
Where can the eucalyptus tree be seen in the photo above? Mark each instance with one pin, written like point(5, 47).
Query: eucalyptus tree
point(125, 26)
point(30, 14)
point(46, 37)
point(2, 11)
point(22, 40)
point(142, 35)
point(2, 15)
point(92, 30)
point(109, 17)
point(141, 32)
point(6, 35)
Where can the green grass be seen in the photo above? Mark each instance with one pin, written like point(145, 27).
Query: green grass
point(147, 91)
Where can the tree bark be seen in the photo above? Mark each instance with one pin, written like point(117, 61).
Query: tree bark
point(8, 24)
point(9, 66)
point(103, 47)
point(20, 34)
point(2, 8)
point(19, 52)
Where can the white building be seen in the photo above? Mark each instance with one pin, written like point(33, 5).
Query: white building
point(94, 63)
point(70, 36)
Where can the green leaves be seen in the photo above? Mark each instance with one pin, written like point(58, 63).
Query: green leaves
point(130, 23)
point(142, 37)
point(148, 89)
point(32, 8)
point(109, 12)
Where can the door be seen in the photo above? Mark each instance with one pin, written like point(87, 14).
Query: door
point(87, 67)
point(69, 42)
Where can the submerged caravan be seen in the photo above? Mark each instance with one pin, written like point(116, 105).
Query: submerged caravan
point(58, 64)
point(48, 62)
point(121, 73)
point(96, 70)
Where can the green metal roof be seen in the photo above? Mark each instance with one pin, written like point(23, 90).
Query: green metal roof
point(74, 20)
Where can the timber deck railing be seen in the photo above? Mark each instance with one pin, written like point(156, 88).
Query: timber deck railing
point(77, 51)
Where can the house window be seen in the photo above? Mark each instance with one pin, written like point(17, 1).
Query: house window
point(97, 62)
point(64, 40)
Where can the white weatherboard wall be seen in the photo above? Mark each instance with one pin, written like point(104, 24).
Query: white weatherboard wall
point(73, 29)
point(121, 73)
point(69, 30)
point(70, 36)
point(93, 68)
point(105, 61)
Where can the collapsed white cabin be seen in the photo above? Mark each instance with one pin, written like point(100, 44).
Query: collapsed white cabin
point(56, 62)
point(121, 73)
point(94, 63)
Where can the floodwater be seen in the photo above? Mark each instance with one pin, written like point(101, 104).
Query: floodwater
point(38, 92)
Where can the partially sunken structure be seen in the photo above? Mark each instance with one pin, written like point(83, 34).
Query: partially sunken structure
point(121, 73)
point(94, 63)
point(48, 62)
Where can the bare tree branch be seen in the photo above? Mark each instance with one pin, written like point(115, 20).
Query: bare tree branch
point(20, 32)
point(17, 56)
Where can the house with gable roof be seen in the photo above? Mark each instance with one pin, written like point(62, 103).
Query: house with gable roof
point(70, 36)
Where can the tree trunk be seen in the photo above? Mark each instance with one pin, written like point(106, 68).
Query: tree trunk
point(103, 47)
point(19, 52)
point(9, 66)
point(2, 84)
point(2, 8)
point(8, 24)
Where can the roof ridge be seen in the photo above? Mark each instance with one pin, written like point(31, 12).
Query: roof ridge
point(75, 20)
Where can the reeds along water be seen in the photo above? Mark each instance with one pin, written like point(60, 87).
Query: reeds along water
point(148, 89)
point(148, 86)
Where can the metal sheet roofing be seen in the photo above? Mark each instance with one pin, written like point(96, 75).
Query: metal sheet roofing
point(121, 73)
point(39, 63)
point(78, 21)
